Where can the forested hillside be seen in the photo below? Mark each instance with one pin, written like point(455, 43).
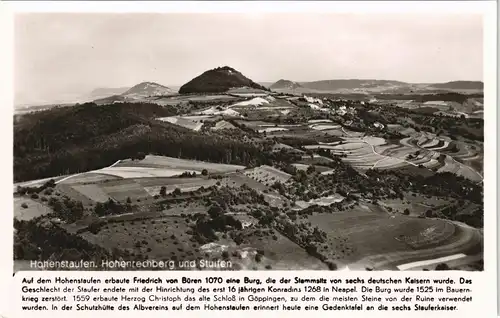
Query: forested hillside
point(218, 80)
point(86, 137)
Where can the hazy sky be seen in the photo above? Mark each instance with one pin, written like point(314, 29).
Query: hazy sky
point(58, 55)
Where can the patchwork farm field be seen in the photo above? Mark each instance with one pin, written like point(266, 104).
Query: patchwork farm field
point(90, 188)
point(183, 185)
point(460, 158)
point(142, 180)
point(172, 166)
point(146, 171)
point(150, 167)
point(88, 177)
point(425, 150)
point(122, 190)
point(93, 192)
point(69, 191)
point(133, 189)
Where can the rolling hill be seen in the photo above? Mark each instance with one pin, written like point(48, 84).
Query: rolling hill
point(138, 92)
point(147, 89)
point(218, 80)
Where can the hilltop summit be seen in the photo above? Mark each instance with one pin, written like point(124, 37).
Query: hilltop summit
point(218, 80)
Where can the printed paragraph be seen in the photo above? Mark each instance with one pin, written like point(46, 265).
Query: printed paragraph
point(233, 292)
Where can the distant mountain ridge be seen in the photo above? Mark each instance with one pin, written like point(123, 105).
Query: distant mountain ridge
point(349, 84)
point(218, 80)
point(373, 86)
point(460, 85)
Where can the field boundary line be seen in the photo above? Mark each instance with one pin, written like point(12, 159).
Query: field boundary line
point(378, 162)
point(74, 175)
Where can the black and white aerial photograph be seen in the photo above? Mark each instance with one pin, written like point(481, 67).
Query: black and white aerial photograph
point(248, 141)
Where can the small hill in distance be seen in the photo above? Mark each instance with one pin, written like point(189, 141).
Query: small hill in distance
point(218, 80)
point(138, 92)
point(147, 89)
point(285, 84)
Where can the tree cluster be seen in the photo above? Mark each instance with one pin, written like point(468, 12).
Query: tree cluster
point(111, 207)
